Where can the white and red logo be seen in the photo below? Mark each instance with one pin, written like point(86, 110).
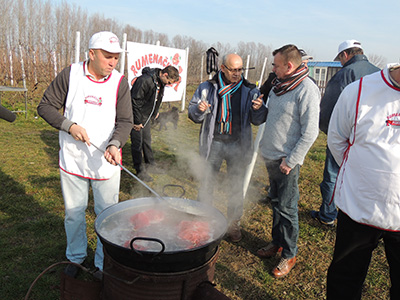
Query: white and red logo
point(114, 40)
point(93, 100)
point(393, 120)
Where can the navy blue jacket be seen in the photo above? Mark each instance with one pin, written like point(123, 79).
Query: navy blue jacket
point(357, 67)
point(248, 115)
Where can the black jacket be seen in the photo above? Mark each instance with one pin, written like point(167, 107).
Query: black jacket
point(143, 95)
point(267, 86)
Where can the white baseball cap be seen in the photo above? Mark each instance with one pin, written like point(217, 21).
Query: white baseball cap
point(347, 45)
point(106, 41)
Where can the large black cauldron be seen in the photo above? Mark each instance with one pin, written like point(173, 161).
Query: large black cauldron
point(163, 259)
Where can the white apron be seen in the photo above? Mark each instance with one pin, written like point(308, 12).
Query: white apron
point(91, 105)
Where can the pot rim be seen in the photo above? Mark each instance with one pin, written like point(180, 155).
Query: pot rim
point(222, 223)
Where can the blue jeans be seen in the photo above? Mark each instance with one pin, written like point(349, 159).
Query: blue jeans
point(235, 163)
point(285, 196)
point(328, 211)
point(75, 191)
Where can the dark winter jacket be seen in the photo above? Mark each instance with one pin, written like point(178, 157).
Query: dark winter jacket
point(267, 86)
point(357, 67)
point(209, 89)
point(143, 95)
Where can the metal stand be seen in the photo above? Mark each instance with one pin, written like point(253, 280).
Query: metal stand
point(16, 89)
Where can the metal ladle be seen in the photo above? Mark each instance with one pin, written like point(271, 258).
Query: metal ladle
point(188, 210)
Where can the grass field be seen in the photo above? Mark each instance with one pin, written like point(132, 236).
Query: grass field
point(32, 232)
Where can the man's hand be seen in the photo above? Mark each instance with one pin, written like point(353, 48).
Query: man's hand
point(203, 106)
point(137, 127)
point(285, 169)
point(112, 155)
point(258, 102)
point(79, 133)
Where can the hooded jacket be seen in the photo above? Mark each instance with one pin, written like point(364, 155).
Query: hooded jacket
point(144, 91)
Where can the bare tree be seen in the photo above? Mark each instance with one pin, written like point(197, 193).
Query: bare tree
point(163, 39)
point(133, 34)
point(5, 20)
point(149, 37)
point(196, 50)
point(377, 60)
point(45, 30)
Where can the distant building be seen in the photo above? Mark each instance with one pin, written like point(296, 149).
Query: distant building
point(323, 71)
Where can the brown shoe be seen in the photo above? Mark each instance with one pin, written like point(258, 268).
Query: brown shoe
point(234, 232)
point(269, 251)
point(284, 267)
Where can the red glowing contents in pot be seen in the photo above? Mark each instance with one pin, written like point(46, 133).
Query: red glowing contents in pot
point(147, 217)
point(196, 233)
point(152, 223)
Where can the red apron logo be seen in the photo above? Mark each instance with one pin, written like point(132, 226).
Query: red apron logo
point(93, 100)
point(393, 123)
point(393, 120)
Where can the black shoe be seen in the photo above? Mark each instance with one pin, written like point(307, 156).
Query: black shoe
point(315, 215)
point(71, 270)
point(144, 176)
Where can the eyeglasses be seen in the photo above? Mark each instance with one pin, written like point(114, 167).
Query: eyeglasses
point(234, 70)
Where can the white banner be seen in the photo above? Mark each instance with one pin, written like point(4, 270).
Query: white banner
point(145, 55)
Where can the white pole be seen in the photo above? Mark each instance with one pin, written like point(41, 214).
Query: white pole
point(210, 76)
point(34, 67)
point(202, 67)
point(247, 67)
point(123, 55)
point(53, 54)
point(184, 90)
point(262, 72)
point(11, 66)
point(250, 167)
point(77, 46)
point(22, 66)
point(59, 63)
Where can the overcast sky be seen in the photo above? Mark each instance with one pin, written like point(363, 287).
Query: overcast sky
point(316, 26)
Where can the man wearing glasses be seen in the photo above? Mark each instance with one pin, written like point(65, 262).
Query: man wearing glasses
point(226, 106)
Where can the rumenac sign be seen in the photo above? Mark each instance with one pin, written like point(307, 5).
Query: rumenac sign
point(152, 56)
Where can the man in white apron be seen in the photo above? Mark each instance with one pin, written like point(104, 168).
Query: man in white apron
point(364, 138)
point(96, 109)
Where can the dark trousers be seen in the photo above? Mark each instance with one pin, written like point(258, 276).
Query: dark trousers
point(285, 196)
point(141, 142)
point(236, 168)
point(353, 249)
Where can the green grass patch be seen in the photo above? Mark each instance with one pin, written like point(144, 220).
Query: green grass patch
point(32, 232)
